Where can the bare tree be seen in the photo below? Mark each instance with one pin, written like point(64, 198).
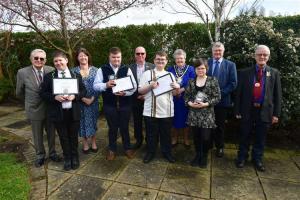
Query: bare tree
point(208, 11)
point(71, 19)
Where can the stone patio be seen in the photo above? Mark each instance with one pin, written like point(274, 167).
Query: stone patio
point(124, 179)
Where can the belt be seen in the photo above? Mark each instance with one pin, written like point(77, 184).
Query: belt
point(256, 105)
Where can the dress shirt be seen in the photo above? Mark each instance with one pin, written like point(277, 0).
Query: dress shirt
point(139, 71)
point(214, 64)
point(65, 104)
point(36, 71)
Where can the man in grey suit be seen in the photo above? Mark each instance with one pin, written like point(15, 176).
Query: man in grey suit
point(29, 80)
point(258, 105)
point(138, 68)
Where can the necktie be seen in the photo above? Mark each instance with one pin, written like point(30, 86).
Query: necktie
point(216, 69)
point(40, 77)
point(260, 74)
point(63, 74)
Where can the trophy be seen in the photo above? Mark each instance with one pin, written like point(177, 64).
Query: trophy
point(200, 97)
point(112, 77)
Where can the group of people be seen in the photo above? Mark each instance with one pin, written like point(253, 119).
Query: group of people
point(197, 103)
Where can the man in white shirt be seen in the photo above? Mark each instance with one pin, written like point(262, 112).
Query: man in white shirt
point(158, 110)
point(116, 106)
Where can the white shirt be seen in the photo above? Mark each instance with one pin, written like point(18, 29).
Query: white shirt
point(98, 84)
point(65, 104)
point(140, 69)
point(164, 102)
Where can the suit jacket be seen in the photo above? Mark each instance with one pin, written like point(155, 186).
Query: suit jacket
point(272, 99)
point(227, 79)
point(54, 107)
point(28, 89)
point(133, 67)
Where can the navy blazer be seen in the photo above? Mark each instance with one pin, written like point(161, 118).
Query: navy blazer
point(272, 99)
point(227, 79)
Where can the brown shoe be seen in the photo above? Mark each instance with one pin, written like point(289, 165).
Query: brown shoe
point(130, 154)
point(110, 155)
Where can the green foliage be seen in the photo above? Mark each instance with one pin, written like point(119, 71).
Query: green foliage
point(5, 88)
point(14, 178)
point(241, 37)
point(283, 24)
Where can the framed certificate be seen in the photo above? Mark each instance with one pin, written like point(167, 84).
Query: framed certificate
point(164, 85)
point(65, 86)
point(123, 84)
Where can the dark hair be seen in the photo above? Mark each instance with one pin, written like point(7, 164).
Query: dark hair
point(162, 54)
point(59, 54)
point(114, 50)
point(83, 50)
point(197, 62)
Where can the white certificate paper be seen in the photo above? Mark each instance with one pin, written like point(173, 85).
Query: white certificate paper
point(164, 85)
point(123, 84)
point(65, 86)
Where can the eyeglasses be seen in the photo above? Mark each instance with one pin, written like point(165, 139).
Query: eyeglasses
point(139, 54)
point(160, 59)
point(262, 54)
point(38, 58)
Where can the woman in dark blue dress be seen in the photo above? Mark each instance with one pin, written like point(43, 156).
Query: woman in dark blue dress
point(89, 106)
point(183, 73)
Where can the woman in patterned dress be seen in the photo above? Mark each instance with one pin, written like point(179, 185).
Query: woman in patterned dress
point(201, 94)
point(183, 73)
point(89, 106)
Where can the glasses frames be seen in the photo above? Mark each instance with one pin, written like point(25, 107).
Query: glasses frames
point(39, 58)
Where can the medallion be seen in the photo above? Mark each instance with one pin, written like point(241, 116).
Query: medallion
point(257, 84)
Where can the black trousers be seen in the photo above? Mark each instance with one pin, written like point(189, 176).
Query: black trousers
point(158, 129)
point(117, 119)
point(137, 112)
point(218, 133)
point(68, 134)
point(201, 140)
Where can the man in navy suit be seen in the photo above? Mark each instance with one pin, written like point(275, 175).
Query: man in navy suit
point(225, 71)
point(258, 105)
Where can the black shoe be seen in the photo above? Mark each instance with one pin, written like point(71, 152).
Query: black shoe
point(203, 162)
point(148, 157)
point(55, 158)
point(174, 145)
point(169, 157)
point(137, 145)
point(259, 166)
point(220, 152)
point(39, 162)
point(240, 163)
point(195, 162)
point(75, 163)
point(85, 151)
point(94, 150)
point(67, 164)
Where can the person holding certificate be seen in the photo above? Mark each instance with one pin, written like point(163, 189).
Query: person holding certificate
point(201, 95)
point(63, 90)
point(117, 84)
point(183, 73)
point(157, 86)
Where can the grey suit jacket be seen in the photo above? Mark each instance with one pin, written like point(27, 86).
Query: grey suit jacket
point(133, 68)
point(28, 89)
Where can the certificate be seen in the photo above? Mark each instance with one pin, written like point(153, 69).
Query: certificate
point(123, 84)
point(164, 85)
point(65, 86)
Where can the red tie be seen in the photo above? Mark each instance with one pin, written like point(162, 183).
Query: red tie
point(257, 90)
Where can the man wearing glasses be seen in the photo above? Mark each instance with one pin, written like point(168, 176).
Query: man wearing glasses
point(138, 68)
point(29, 80)
point(257, 105)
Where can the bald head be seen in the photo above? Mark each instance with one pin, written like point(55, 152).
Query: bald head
point(140, 55)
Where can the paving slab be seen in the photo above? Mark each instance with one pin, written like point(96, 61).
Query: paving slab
point(187, 180)
point(281, 169)
point(10, 109)
point(81, 187)
point(101, 168)
point(56, 179)
point(144, 175)
point(230, 187)
point(183, 155)
point(120, 191)
point(296, 159)
point(281, 190)
point(171, 196)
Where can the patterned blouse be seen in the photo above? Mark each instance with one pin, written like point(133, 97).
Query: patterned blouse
point(203, 117)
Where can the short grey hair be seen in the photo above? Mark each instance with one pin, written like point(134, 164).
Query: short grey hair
point(218, 45)
point(37, 51)
point(179, 52)
point(261, 46)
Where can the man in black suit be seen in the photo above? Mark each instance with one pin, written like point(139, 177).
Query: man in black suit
point(138, 68)
point(258, 105)
point(64, 110)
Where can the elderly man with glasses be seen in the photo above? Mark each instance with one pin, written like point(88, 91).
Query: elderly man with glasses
point(29, 80)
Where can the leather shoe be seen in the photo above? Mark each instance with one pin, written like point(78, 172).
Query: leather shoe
point(39, 162)
point(148, 157)
point(75, 163)
point(129, 154)
point(137, 145)
point(240, 163)
point(67, 165)
point(85, 151)
point(110, 155)
point(169, 157)
point(55, 158)
point(195, 162)
point(259, 166)
point(94, 150)
point(220, 152)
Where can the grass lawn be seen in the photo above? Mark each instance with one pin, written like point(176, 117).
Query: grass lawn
point(14, 178)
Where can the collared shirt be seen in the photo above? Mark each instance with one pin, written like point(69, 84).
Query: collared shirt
point(36, 74)
point(140, 69)
point(67, 73)
point(214, 64)
point(100, 86)
point(262, 82)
